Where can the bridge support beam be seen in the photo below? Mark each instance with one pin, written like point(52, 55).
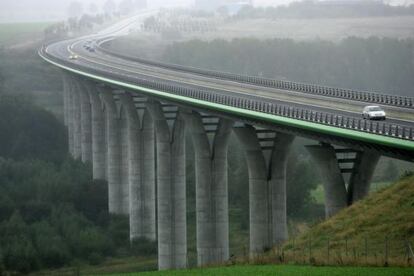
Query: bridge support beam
point(77, 129)
point(211, 189)
point(70, 113)
point(86, 123)
point(141, 172)
point(361, 177)
point(171, 192)
point(99, 142)
point(338, 195)
point(118, 186)
point(65, 94)
point(267, 188)
point(333, 182)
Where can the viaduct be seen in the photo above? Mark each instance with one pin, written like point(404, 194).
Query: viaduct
point(128, 116)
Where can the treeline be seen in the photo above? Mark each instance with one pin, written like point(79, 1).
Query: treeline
point(84, 23)
point(376, 64)
point(52, 213)
point(23, 72)
point(325, 9)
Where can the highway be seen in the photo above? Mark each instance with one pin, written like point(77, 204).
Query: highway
point(102, 62)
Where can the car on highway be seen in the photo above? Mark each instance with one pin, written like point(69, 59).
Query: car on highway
point(373, 112)
point(73, 57)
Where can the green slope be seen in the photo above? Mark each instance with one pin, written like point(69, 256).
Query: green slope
point(371, 231)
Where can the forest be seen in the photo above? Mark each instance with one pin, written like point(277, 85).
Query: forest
point(323, 9)
point(374, 64)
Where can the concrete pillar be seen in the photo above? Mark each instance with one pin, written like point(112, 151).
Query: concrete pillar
point(360, 180)
point(333, 183)
point(171, 192)
point(267, 189)
point(118, 187)
point(77, 131)
point(86, 124)
point(277, 184)
point(99, 145)
point(70, 117)
point(66, 91)
point(211, 189)
point(124, 161)
point(141, 172)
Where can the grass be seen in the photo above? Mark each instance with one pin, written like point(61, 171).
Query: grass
point(318, 196)
point(130, 264)
point(375, 230)
point(285, 270)
point(16, 33)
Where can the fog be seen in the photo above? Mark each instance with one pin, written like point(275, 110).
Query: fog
point(52, 10)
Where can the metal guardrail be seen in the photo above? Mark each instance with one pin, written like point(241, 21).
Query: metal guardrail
point(363, 96)
point(303, 114)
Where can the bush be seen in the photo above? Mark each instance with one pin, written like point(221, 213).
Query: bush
point(144, 247)
point(28, 132)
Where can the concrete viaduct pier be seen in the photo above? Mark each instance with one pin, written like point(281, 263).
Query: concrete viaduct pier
point(361, 166)
point(137, 144)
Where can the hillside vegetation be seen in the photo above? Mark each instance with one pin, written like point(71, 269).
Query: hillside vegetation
point(370, 231)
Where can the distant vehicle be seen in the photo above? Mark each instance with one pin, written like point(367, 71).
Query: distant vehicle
point(73, 57)
point(373, 112)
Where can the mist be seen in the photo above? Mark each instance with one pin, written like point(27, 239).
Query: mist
point(51, 10)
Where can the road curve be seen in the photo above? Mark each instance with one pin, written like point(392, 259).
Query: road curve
point(132, 71)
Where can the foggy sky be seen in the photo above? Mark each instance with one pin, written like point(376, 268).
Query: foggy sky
point(55, 10)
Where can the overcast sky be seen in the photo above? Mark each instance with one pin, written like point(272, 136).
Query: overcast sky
point(54, 10)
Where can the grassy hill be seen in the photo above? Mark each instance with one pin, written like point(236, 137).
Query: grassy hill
point(378, 229)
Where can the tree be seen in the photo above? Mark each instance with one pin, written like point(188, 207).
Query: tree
point(92, 8)
point(140, 4)
point(29, 132)
point(75, 9)
point(301, 180)
point(109, 7)
point(390, 172)
point(126, 6)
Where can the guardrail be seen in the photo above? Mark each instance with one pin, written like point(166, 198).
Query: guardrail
point(363, 96)
point(214, 96)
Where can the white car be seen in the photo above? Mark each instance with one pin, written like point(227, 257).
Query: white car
point(73, 57)
point(373, 112)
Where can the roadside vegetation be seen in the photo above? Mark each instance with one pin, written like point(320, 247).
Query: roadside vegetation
point(286, 270)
